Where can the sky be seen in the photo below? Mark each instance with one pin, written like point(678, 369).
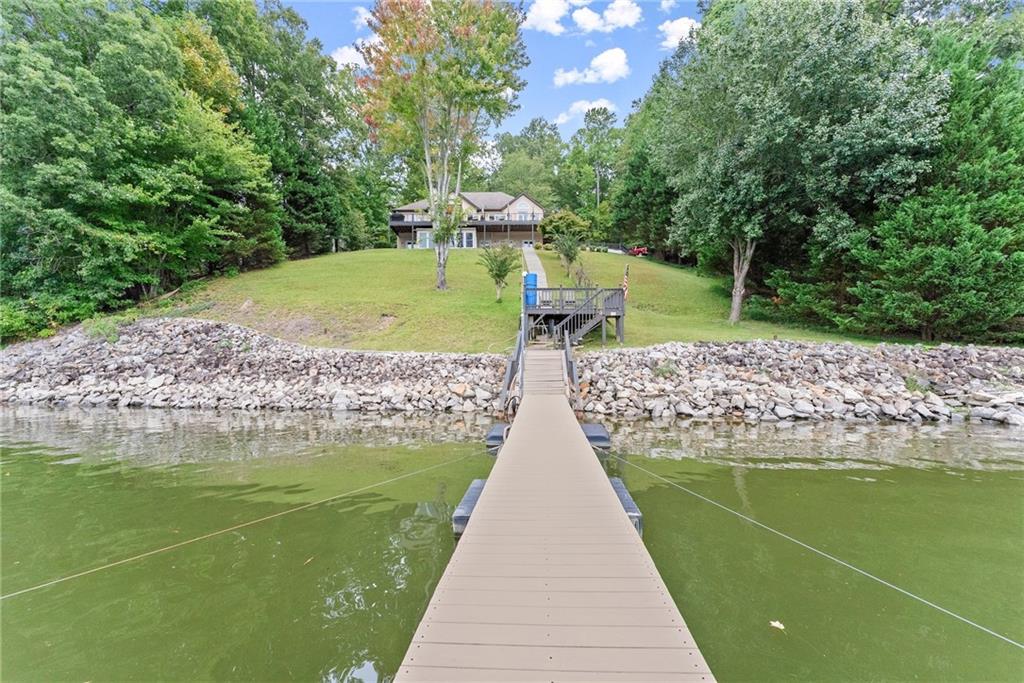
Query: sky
point(583, 53)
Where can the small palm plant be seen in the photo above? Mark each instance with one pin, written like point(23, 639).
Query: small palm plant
point(500, 262)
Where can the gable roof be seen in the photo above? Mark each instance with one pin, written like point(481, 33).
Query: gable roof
point(483, 201)
point(488, 201)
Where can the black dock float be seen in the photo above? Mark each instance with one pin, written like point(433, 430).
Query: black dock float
point(460, 518)
point(628, 504)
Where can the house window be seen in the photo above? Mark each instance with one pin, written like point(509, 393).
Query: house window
point(424, 239)
point(464, 239)
point(523, 209)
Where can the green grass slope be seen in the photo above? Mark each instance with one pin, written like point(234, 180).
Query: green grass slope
point(380, 299)
point(670, 303)
point(385, 300)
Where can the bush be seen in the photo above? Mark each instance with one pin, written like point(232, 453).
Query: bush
point(931, 267)
point(18, 322)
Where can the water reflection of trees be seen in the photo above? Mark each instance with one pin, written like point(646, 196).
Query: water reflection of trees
point(175, 436)
point(824, 444)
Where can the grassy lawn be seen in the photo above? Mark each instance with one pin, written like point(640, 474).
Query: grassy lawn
point(670, 303)
point(381, 299)
point(385, 299)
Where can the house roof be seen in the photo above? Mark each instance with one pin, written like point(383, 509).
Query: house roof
point(488, 201)
point(484, 201)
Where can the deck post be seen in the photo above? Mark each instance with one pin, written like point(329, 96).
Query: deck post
point(604, 330)
point(620, 329)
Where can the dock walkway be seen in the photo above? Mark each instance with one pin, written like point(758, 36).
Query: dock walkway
point(550, 581)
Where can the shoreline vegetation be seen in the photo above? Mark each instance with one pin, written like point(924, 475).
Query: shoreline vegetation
point(189, 363)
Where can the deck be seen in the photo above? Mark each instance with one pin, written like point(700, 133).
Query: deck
point(550, 581)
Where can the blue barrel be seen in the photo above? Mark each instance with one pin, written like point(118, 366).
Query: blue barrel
point(530, 288)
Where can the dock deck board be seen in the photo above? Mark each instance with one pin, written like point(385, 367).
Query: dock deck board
point(550, 581)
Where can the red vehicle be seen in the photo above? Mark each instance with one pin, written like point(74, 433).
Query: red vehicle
point(638, 251)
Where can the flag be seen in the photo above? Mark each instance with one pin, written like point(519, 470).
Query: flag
point(625, 284)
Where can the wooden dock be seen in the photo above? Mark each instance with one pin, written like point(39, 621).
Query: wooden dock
point(550, 581)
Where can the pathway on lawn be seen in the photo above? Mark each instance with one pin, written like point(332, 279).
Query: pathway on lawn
point(534, 265)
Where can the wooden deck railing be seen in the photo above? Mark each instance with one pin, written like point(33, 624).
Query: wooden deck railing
point(609, 301)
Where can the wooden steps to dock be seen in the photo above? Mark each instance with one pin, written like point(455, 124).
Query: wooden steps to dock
point(550, 580)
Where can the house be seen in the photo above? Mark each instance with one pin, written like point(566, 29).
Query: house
point(489, 218)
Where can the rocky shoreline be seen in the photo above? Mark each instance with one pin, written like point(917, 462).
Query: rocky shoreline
point(199, 364)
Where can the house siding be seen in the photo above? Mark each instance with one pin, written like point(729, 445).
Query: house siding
point(516, 223)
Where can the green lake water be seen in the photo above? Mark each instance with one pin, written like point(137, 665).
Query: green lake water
point(333, 592)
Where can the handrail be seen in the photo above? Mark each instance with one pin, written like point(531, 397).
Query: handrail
point(512, 369)
point(561, 298)
point(570, 367)
point(565, 327)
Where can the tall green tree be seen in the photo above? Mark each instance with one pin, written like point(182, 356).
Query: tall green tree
point(440, 73)
point(120, 175)
point(300, 108)
point(950, 262)
point(529, 161)
point(642, 198)
point(793, 122)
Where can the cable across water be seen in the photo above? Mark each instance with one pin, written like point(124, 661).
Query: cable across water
point(824, 554)
point(219, 532)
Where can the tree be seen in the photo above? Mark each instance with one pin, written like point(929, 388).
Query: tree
point(642, 197)
point(567, 244)
point(599, 139)
point(563, 223)
point(932, 266)
point(440, 73)
point(528, 162)
point(299, 107)
point(119, 179)
point(950, 263)
point(794, 121)
point(500, 262)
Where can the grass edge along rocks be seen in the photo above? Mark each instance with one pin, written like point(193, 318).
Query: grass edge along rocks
point(189, 363)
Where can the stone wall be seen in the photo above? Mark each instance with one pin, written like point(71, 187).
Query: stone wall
point(185, 363)
point(778, 380)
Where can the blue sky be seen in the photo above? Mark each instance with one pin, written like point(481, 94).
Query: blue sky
point(582, 52)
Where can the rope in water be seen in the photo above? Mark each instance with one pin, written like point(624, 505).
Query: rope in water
point(824, 554)
point(219, 532)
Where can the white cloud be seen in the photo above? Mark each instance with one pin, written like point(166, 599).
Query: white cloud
point(619, 14)
point(546, 16)
point(580, 107)
point(607, 67)
point(667, 5)
point(677, 30)
point(347, 55)
point(362, 18)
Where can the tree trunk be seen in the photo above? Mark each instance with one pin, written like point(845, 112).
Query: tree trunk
point(742, 255)
point(497, 289)
point(442, 261)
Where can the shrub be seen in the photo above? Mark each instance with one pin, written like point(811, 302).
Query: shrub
point(500, 262)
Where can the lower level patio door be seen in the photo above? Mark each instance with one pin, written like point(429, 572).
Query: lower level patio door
point(463, 239)
point(466, 239)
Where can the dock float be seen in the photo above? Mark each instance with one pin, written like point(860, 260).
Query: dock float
point(550, 580)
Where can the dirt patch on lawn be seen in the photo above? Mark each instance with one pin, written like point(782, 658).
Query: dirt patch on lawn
point(299, 326)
